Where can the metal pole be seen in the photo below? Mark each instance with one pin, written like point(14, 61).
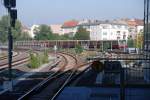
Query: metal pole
point(10, 46)
point(144, 26)
point(111, 45)
point(122, 85)
point(147, 32)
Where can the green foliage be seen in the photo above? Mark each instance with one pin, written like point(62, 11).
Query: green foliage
point(3, 28)
point(45, 57)
point(78, 49)
point(34, 63)
point(106, 46)
point(37, 60)
point(43, 33)
point(16, 32)
point(65, 37)
point(139, 40)
point(82, 34)
point(130, 42)
point(25, 36)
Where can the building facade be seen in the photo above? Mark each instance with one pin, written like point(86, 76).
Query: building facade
point(56, 29)
point(108, 31)
point(32, 31)
point(70, 27)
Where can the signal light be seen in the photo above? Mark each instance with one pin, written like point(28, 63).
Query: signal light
point(13, 3)
point(10, 3)
point(13, 15)
point(6, 3)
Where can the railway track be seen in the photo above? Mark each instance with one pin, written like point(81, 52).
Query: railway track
point(19, 60)
point(35, 79)
point(54, 84)
point(5, 57)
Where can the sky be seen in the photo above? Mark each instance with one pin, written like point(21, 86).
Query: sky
point(57, 11)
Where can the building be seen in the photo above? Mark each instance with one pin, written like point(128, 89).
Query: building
point(108, 31)
point(70, 27)
point(140, 28)
point(32, 30)
point(135, 26)
point(56, 29)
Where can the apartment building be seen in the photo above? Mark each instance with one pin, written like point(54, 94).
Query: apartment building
point(108, 31)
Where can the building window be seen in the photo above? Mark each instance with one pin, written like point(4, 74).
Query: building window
point(124, 37)
point(104, 33)
point(104, 38)
point(124, 33)
point(118, 38)
point(118, 26)
point(118, 32)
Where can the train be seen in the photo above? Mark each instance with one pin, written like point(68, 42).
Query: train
point(89, 44)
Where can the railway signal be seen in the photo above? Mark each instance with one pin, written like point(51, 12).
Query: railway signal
point(10, 5)
point(13, 15)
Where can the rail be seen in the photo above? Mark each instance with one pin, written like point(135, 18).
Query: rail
point(55, 76)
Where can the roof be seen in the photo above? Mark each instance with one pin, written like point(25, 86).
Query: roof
point(68, 24)
point(135, 22)
point(140, 22)
point(101, 22)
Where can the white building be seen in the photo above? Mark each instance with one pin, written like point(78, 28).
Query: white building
point(140, 28)
point(108, 31)
point(32, 31)
point(69, 30)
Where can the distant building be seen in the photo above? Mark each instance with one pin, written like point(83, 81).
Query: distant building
point(32, 30)
point(135, 26)
point(56, 29)
point(70, 27)
point(108, 31)
point(140, 28)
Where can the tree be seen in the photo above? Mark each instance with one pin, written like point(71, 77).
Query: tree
point(130, 42)
point(78, 49)
point(25, 36)
point(16, 32)
point(82, 34)
point(106, 46)
point(139, 40)
point(43, 32)
point(3, 28)
point(65, 37)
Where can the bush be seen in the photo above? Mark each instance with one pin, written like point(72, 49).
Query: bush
point(45, 57)
point(37, 60)
point(78, 49)
point(34, 62)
